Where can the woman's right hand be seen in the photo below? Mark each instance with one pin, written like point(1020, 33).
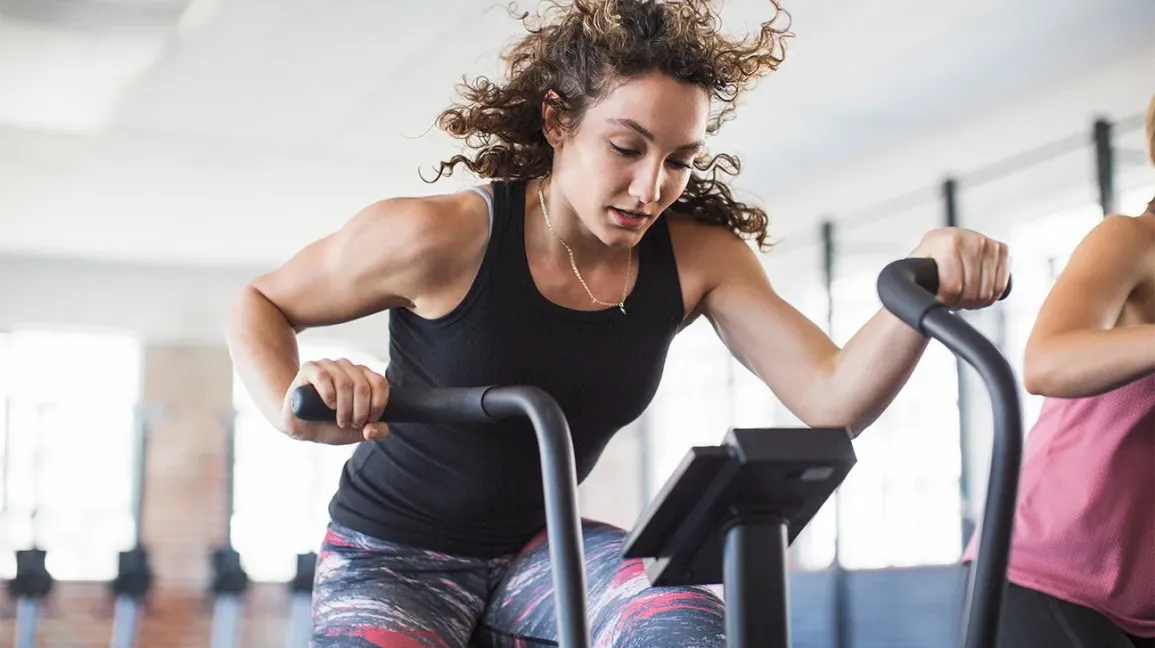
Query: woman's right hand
point(357, 393)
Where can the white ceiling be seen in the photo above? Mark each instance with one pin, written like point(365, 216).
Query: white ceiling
point(234, 131)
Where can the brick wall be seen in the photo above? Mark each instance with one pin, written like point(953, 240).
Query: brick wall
point(184, 508)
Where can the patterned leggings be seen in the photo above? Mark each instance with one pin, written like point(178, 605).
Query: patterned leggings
point(369, 592)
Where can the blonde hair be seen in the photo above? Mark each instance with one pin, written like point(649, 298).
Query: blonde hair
point(1151, 129)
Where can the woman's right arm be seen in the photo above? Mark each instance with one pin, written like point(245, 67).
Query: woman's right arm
point(390, 254)
point(1075, 350)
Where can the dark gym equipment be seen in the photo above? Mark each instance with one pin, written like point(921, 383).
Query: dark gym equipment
point(133, 580)
point(228, 586)
point(33, 583)
point(300, 611)
point(229, 580)
point(731, 510)
point(907, 289)
point(728, 514)
point(31, 586)
point(134, 575)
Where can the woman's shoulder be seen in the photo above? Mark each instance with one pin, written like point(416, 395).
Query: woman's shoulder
point(439, 235)
point(1132, 237)
point(1128, 225)
point(1116, 256)
point(434, 221)
point(1137, 233)
point(709, 255)
point(694, 240)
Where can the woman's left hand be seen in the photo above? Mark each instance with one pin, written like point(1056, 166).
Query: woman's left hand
point(973, 270)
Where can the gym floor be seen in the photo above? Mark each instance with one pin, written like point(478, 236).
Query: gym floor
point(155, 157)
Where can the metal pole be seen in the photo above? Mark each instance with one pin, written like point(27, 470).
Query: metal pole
point(230, 470)
point(226, 621)
point(755, 578)
point(841, 589)
point(37, 472)
point(646, 453)
point(7, 461)
point(986, 584)
point(229, 578)
point(125, 622)
point(300, 622)
point(141, 470)
point(1105, 166)
point(559, 482)
point(134, 576)
point(27, 622)
point(951, 219)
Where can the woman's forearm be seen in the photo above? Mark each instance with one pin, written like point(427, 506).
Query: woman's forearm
point(263, 346)
point(1086, 363)
point(871, 369)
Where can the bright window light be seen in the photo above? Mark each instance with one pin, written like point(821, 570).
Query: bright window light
point(282, 487)
point(67, 401)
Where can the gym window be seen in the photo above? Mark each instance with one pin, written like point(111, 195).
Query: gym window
point(692, 406)
point(901, 506)
point(67, 404)
point(1042, 246)
point(282, 487)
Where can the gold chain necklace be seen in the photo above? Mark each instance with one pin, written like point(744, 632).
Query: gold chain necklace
point(573, 264)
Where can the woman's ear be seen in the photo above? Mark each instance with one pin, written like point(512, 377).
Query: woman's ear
point(551, 115)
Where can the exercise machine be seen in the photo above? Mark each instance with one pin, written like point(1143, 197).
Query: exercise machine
point(559, 474)
point(130, 587)
point(30, 587)
point(907, 288)
point(300, 627)
point(229, 579)
point(301, 599)
point(728, 513)
point(33, 582)
point(229, 583)
point(134, 574)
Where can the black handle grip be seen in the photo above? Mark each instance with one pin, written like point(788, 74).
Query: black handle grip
point(911, 306)
point(558, 470)
point(440, 404)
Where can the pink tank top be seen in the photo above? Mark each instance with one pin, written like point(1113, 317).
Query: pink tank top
point(1085, 523)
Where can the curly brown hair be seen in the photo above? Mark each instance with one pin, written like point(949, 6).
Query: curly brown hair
point(579, 49)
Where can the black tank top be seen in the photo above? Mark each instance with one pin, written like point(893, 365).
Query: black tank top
point(476, 489)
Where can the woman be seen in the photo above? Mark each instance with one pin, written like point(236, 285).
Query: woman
point(1082, 567)
point(607, 229)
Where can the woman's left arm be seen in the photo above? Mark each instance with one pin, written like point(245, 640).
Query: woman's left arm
point(823, 385)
